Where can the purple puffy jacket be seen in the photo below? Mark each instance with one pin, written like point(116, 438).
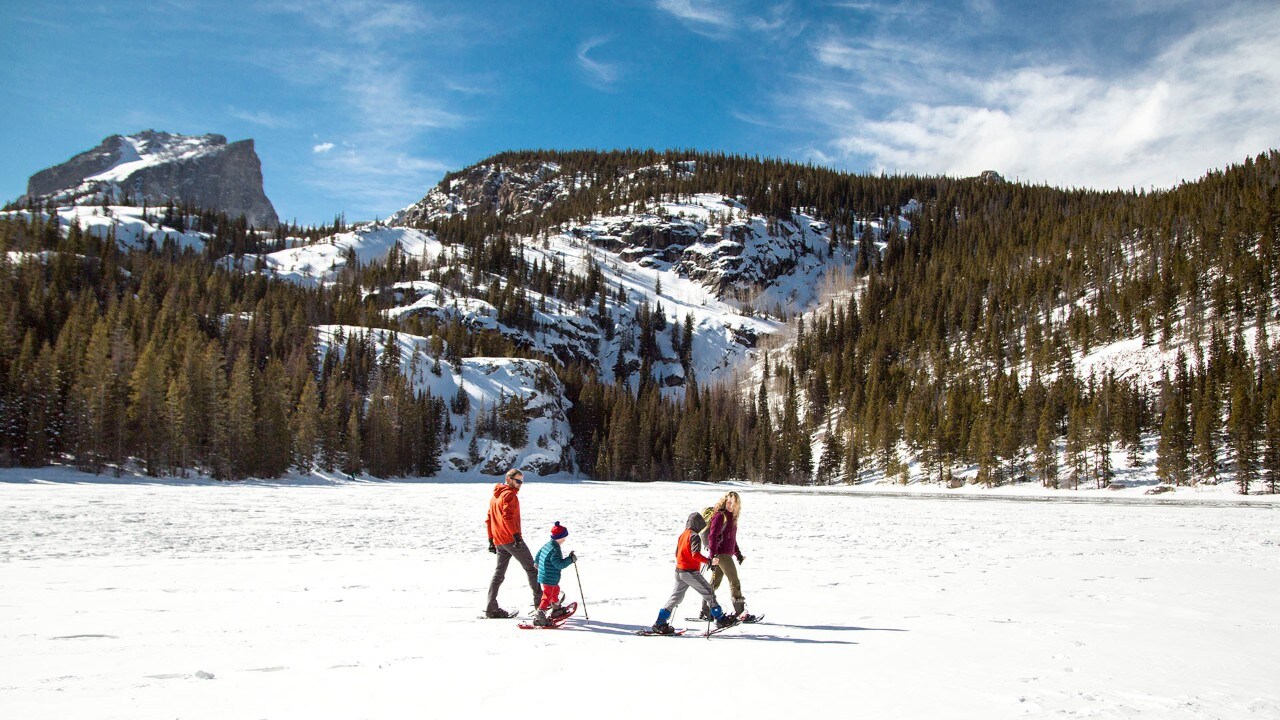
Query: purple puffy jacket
point(722, 535)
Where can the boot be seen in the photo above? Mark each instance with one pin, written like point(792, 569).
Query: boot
point(726, 621)
point(540, 619)
point(705, 615)
point(663, 628)
point(557, 610)
point(498, 613)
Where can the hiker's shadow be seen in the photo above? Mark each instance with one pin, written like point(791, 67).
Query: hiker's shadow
point(605, 628)
point(754, 634)
point(828, 628)
point(751, 632)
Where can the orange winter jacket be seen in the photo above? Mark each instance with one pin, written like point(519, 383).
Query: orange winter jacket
point(687, 555)
point(689, 548)
point(504, 514)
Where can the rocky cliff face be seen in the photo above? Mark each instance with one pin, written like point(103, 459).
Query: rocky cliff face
point(508, 190)
point(157, 167)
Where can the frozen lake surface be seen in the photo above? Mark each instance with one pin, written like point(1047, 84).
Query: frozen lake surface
point(360, 600)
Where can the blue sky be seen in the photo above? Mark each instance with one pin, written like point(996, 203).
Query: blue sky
point(360, 106)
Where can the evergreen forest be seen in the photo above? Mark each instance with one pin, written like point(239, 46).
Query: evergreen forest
point(954, 348)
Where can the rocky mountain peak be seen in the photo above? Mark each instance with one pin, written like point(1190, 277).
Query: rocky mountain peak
point(158, 167)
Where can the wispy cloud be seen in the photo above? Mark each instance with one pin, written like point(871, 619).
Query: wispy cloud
point(1210, 98)
point(718, 19)
point(382, 103)
point(364, 21)
point(600, 74)
point(705, 17)
point(260, 117)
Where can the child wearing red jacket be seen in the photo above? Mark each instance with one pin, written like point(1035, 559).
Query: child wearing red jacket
point(689, 562)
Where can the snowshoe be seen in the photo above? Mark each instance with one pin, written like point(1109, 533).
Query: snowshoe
point(499, 614)
point(650, 631)
point(727, 621)
point(748, 618)
point(551, 621)
point(662, 629)
point(560, 614)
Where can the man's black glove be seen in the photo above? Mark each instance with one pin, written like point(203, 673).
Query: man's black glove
point(517, 539)
point(492, 549)
point(740, 557)
point(573, 557)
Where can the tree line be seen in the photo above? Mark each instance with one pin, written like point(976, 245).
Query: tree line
point(957, 348)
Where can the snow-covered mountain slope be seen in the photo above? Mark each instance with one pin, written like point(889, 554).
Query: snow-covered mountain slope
point(702, 259)
point(322, 262)
point(490, 385)
point(131, 226)
point(722, 333)
point(160, 167)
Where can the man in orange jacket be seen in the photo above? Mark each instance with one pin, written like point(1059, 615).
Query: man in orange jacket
point(503, 524)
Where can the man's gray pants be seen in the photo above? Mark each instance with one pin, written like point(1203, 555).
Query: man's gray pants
point(686, 579)
point(520, 552)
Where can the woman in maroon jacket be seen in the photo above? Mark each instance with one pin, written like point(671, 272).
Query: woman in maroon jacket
point(722, 545)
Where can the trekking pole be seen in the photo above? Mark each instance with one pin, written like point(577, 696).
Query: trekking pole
point(707, 634)
point(576, 574)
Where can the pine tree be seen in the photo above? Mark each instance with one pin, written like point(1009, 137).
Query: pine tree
point(218, 454)
point(180, 421)
point(1046, 451)
point(241, 425)
point(832, 457)
point(147, 411)
point(1101, 438)
point(305, 426)
point(1271, 449)
point(352, 463)
point(1077, 463)
point(984, 435)
point(1172, 463)
point(1243, 436)
point(1207, 415)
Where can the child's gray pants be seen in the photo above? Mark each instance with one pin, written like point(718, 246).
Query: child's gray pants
point(686, 579)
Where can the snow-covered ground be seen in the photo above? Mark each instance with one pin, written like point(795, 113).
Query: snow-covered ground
point(347, 600)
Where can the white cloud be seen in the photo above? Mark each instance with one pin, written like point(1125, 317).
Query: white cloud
point(375, 179)
point(602, 75)
point(260, 117)
point(384, 98)
point(702, 16)
point(1210, 98)
point(717, 19)
point(364, 21)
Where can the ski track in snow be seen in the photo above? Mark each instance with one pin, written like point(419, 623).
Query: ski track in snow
point(359, 600)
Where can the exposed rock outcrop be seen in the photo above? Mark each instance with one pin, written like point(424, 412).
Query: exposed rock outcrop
point(158, 167)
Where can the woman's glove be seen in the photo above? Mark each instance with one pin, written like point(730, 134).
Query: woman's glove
point(492, 549)
point(740, 556)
